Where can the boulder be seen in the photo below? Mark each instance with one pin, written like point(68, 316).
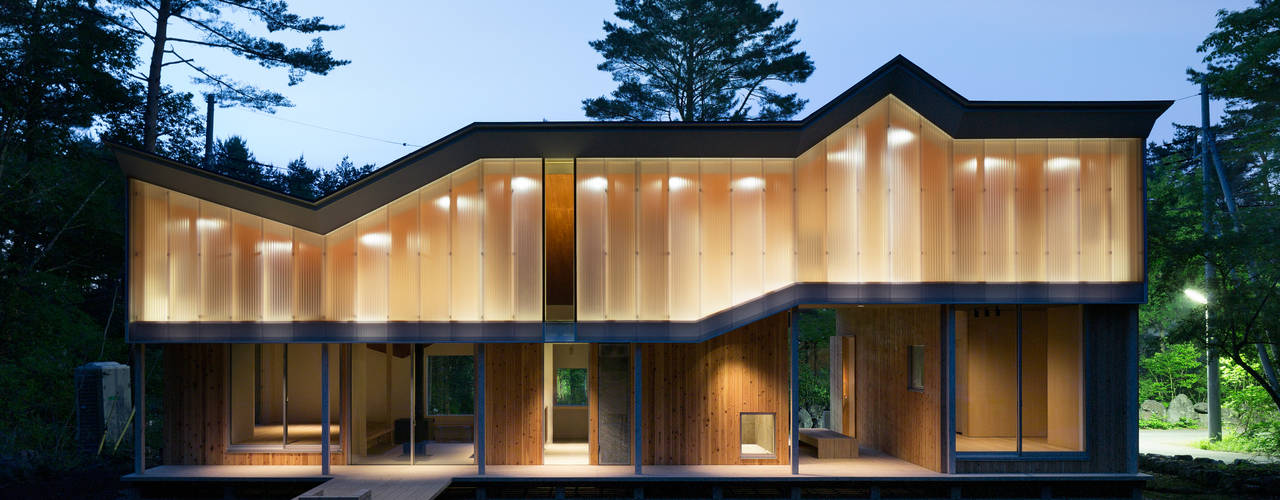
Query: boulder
point(1151, 409)
point(1181, 407)
point(806, 421)
point(1201, 411)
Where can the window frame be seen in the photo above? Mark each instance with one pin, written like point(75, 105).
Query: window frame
point(586, 389)
point(756, 456)
point(914, 365)
point(335, 446)
point(1020, 454)
point(427, 369)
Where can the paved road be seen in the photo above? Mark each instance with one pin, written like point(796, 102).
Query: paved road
point(1183, 442)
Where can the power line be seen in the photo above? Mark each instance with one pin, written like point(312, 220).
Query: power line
point(336, 131)
point(1187, 97)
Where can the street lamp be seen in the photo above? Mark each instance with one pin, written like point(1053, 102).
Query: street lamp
point(1214, 393)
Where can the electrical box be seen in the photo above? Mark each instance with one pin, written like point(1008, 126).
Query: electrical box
point(104, 405)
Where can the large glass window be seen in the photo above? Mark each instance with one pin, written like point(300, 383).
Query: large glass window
point(276, 396)
point(571, 386)
point(1011, 357)
point(756, 435)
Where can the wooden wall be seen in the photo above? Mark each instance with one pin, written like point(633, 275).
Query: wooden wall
point(513, 404)
point(693, 394)
point(1110, 411)
point(195, 410)
point(889, 417)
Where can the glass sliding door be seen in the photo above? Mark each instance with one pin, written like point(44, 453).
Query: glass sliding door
point(445, 409)
point(381, 381)
point(1019, 379)
point(275, 397)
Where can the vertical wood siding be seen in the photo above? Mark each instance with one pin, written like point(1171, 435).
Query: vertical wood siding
point(513, 404)
point(693, 394)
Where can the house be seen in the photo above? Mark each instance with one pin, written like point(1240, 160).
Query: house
point(593, 294)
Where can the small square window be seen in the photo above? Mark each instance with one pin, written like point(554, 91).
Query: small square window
point(915, 361)
point(757, 435)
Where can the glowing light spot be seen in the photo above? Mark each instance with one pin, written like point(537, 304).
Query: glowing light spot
point(375, 239)
point(596, 183)
point(748, 183)
point(442, 202)
point(204, 224)
point(900, 136)
point(677, 183)
point(1063, 163)
point(523, 184)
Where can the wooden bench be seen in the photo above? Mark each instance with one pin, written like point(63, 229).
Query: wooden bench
point(830, 444)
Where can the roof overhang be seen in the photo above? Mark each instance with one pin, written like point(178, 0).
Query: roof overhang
point(958, 117)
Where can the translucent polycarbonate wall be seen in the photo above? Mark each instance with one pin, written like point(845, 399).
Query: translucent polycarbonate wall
point(678, 239)
point(889, 197)
point(192, 260)
point(467, 247)
point(886, 198)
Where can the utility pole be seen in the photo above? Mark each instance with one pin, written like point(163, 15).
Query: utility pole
point(208, 132)
point(1214, 389)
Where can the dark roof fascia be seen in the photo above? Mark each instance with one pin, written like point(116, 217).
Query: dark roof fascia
point(951, 112)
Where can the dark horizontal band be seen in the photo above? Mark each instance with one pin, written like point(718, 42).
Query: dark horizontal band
point(638, 331)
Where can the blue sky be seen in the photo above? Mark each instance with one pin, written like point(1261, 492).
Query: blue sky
point(423, 69)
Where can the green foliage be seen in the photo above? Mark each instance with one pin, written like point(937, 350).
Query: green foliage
point(571, 386)
point(1160, 423)
point(816, 326)
point(1241, 443)
point(699, 60)
point(1177, 369)
point(233, 158)
point(452, 382)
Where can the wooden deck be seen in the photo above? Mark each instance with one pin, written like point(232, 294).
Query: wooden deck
point(392, 482)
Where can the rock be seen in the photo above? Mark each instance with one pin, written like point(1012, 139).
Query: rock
point(1201, 412)
point(1151, 409)
point(806, 421)
point(1181, 407)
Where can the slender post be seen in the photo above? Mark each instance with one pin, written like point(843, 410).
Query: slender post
point(139, 352)
point(638, 393)
point(324, 405)
point(208, 132)
point(480, 409)
point(1206, 160)
point(794, 333)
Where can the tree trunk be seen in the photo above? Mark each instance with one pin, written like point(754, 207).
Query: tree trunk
point(150, 125)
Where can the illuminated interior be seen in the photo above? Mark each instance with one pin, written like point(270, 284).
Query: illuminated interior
point(887, 198)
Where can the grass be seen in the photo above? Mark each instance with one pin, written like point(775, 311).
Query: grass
point(1160, 423)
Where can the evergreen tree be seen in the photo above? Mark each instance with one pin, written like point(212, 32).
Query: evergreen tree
point(699, 60)
point(209, 19)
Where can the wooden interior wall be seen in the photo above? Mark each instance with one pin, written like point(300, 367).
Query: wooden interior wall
point(513, 404)
point(1110, 406)
point(558, 234)
point(195, 410)
point(693, 394)
point(890, 417)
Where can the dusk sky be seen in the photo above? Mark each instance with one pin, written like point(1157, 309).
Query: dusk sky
point(420, 70)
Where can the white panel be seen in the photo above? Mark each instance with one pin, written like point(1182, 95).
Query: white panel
point(873, 193)
point(246, 239)
point(308, 276)
point(716, 235)
point(591, 217)
point(967, 176)
point(526, 205)
point(903, 156)
point(466, 274)
point(811, 215)
point(748, 229)
point(373, 251)
point(937, 207)
point(779, 226)
point(998, 211)
point(685, 277)
point(402, 273)
point(155, 253)
point(1029, 213)
point(184, 259)
point(652, 298)
point(1095, 213)
point(277, 278)
point(498, 253)
point(340, 273)
point(434, 204)
point(1126, 211)
point(620, 259)
point(842, 147)
point(1062, 180)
